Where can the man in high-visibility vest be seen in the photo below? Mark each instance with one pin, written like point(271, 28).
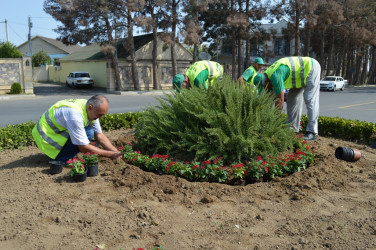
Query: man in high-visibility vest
point(301, 75)
point(68, 126)
point(201, 74)
point(250, 73)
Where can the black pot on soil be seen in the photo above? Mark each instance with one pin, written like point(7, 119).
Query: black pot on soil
point(92, 170)
point(80, 177)
point(56, 167)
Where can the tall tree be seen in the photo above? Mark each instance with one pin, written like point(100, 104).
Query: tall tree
point(87, 22)
point(150, 20)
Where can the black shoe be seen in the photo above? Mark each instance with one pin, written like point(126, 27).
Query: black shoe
point(309, 136)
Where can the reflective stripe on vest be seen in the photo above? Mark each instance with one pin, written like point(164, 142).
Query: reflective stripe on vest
point(299, 70)
point(293, 71)
point(51, 137)
point(47, 138)
point(215, 70)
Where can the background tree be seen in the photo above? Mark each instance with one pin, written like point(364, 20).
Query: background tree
point(87, 22)
point(41, 58)
point(150, 19)
point(9, 50)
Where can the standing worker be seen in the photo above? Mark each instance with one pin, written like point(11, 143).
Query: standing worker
point(250, 73)
point(201, 74)
point(302, 76)
point(67, 127)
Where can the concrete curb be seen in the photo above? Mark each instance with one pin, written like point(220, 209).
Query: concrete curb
point(9, 97)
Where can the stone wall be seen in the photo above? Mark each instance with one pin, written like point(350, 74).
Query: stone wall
point(16, 70)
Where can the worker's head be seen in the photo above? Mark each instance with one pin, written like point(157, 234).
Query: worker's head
point(181, 81)
point(96, 107)
point(258, 62)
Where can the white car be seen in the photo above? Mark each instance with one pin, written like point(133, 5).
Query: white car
point(332, 83)
point(75, 79)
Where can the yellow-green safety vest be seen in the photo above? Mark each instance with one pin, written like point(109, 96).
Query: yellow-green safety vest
point(214, 68)
point(251, 82)
point(299, 70)
point(49, 136)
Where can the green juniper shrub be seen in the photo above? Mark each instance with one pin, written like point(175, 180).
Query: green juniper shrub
point(16, 88)
point(224, 121)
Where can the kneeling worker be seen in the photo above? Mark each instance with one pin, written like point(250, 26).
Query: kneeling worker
point(201, 74)
point(67, 127)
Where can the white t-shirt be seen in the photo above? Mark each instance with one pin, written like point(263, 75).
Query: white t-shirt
point(72, 120)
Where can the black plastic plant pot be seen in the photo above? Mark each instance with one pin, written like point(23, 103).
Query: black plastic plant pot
point(92, 170)
point(347, 154)
point(56, 167)
point(80, 177)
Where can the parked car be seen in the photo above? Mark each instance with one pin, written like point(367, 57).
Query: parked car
point(75, 79)
point(332, 83)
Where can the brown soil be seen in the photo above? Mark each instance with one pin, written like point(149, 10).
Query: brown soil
point(332, 204)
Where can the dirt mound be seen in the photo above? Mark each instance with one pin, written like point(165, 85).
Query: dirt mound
point(332, 204)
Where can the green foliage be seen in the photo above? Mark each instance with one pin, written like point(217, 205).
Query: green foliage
point(116, 121)
point(224, 121)
point(16, 136)
point(8, 50)
point(16, 88)
point(41, 58)
point(353, 130)
point(215, 170)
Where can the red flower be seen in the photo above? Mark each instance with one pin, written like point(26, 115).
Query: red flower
point(206, 162)
point(216, 161)
point(259, 158)
point(266, 169)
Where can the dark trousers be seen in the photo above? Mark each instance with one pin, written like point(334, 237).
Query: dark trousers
point(70, 150)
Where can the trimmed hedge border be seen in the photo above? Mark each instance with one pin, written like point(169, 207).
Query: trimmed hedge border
point(19, 136)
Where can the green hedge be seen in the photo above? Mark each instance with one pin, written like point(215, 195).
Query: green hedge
point(351, 130)
point(19, 136)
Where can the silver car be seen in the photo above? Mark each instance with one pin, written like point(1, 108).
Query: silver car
point(332, 83)
point(75, 79)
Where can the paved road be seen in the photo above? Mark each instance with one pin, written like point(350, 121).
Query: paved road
point(353, 103)
point(23, 108)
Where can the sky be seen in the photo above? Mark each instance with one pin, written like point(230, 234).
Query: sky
point(17, 12)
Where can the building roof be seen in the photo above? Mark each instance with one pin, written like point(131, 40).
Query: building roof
point(93, 51)
point(58, 44)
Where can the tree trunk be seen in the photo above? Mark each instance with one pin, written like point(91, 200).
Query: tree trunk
point(156, 85)
point(330, 56)
point(322, 45)
point(233, 56)
point(297, 28)
point(195, 52)
point(344, 63)
point(365, 63)
point(132, 51)
point(372, 71)
point(308, 42)
point(173, 38)
point(114, 58)
point(247, 61)
point(358, 70)
point(240, 58)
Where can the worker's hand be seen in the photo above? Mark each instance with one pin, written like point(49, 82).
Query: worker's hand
point(116, 155)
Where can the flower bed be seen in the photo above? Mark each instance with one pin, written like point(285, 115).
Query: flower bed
point(215, 171)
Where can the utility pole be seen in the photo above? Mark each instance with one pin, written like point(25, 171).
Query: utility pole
point(29, 36)
point(6, 28)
